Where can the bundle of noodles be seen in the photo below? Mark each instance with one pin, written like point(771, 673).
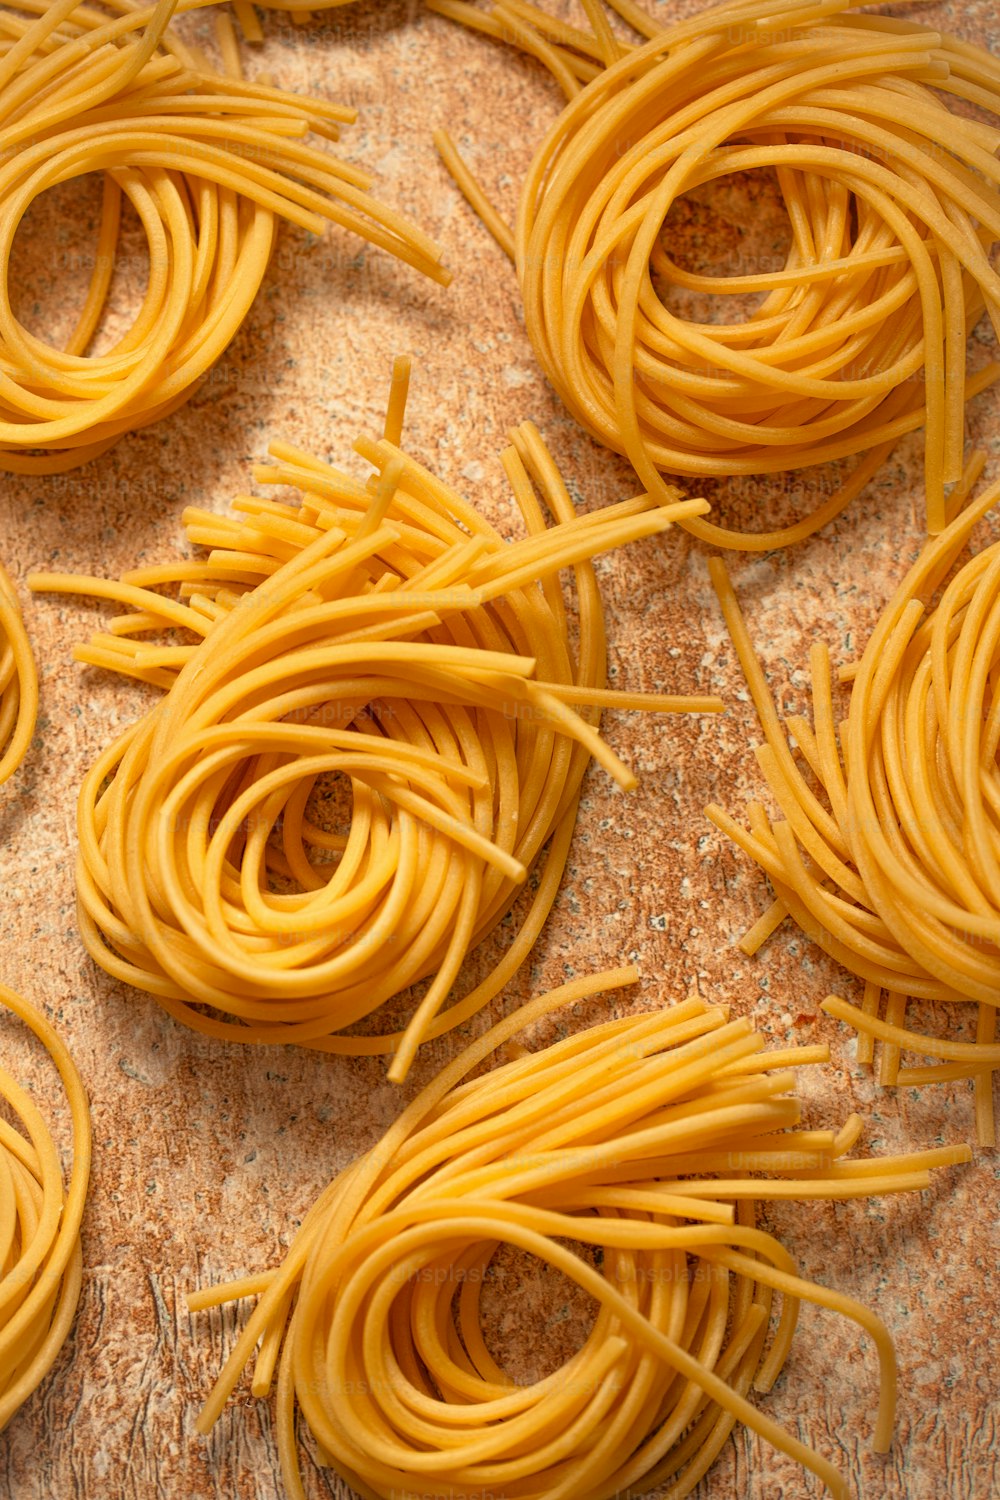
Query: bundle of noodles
point(40, 1258)
point(893, 204)
point(650, 1139)
point(208, 161)
point(886, 851)
point(385, 639)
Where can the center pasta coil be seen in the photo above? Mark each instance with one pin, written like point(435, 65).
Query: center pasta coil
point(629, 1157)
point(379, 637)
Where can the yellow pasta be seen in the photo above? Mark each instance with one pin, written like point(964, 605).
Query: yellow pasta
point(40, 1257)
point(892, 201)
point(383, 640)
point(18, 681)
point(886, 853)
point(647, 1139)
point(209, 163)
point(291, 7)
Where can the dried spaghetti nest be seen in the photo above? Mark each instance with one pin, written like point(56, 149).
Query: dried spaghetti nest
point(209, 163)
point(378, 639)
point(892, 201)
point(886, 853)
point(648, 1139)
point(40, 1257)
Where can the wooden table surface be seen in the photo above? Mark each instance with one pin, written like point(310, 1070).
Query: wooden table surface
point(207, 1156)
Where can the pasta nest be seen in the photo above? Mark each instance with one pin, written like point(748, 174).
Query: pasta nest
point(41, 1264)
point(628, 1157)
point(836, 347)
point(886, 851)
point(386, 640)
point(208, 162)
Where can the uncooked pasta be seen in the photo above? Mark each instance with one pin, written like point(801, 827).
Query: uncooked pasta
point(18, 681)
point(40, 1257)
point(208, 161)
point(886, 850)
point(629, 1157)
point(858, 336)
point(379, 725)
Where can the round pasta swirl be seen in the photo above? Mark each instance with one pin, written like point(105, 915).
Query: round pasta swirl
point(40, 1258)
point(648, 1138)
point(383, 638)
point(895, 872)
point(208, 162)
point(892, 201)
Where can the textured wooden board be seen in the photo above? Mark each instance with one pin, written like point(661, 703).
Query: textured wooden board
point(207, 1156)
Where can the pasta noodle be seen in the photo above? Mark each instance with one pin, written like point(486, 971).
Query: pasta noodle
point(209, 163)
point(892, 201)
point(648, 1138)
point(378, 638)
point(18, 682)
point(290, 6)
point(40, 1258)
point(894, 871)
